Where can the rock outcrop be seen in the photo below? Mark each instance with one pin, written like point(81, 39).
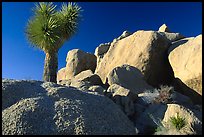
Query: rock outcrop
point(185, 57)
point(129, 77)
point(59, 110)
point(148, 82)
point(77, 61)
point(145, 50)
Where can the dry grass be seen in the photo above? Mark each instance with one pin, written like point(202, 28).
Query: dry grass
point(164, 94)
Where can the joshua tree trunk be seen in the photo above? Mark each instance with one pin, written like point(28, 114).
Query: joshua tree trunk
point(50, 67)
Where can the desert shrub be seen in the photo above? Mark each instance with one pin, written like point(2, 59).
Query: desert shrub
point(178, 122)
point(164, 94)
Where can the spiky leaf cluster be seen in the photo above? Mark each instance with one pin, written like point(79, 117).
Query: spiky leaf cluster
point(48, 29)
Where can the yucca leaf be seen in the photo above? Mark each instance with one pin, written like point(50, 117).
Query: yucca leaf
point(49, 29)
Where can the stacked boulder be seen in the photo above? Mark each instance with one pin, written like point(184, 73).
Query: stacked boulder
point(77, 61)
point(145, 73)
point(145, 50)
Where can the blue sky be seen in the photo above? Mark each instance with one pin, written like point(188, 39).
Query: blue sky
point(102, 22)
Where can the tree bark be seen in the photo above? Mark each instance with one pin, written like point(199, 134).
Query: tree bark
point(50, 67)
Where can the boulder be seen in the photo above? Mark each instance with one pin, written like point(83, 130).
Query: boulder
point(88, 75)
point(164, 28)
point(129, 77)
point(185, 57)
point(119, 90)
point(102, 49)
point(60, 111)
point(145, 50)
point(124, 98)
point(81, 85)
point(193, 121)
point(65, 82)
point(78, 61)
point(61, 75)
point(97, 88)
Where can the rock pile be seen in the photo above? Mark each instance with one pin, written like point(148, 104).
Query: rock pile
point(135, 84)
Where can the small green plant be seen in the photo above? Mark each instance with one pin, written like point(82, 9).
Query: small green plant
point(178, 122)
point(160, 126)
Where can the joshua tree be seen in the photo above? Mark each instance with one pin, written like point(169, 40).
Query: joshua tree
point(48, 29)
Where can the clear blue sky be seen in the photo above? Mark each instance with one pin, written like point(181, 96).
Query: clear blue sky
point(102, 22)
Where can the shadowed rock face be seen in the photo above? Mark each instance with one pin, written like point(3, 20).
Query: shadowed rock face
point(145, 50)
point(187, 91)
point(59, 110)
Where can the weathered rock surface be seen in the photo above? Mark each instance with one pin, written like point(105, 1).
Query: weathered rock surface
point(145, 50)
point(185, 57)
point(59, 111)
point(88, 75)
point(61, 75)
point(78, 61)
point(81, 85)
point(101, 49)
point(116, 89)
point(19, 90)
point(164, 30)
point(172, 36)
point(124, 98)
point(129, 77)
